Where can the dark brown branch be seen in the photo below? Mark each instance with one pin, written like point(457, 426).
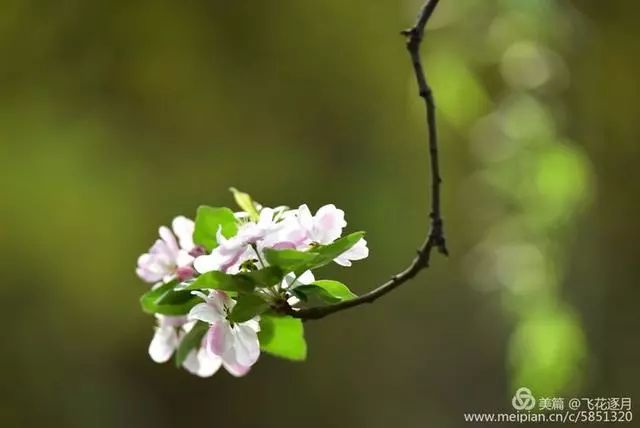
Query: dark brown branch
point(435, 239)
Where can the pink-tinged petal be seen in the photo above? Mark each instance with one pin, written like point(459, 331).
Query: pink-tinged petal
point(328, 224)
point(358, 252)
point(343, 261)
point(144, 259)
point(230, 263)
point(230, 363)
point(152, 267)
point(148, 276)
point(160, 251)
point(183, 228)
point(200, 363)
point(290, 231)
point(164, 342)
point(168, 237)
point(249, 233)
point(205, 312)
point(219, 338)
point(209, 364)
point(217, 299)
point(221, 301)
point(246, 345)
point(286, 245)
point(305, 218)
point(158, 264)
point(171, 320)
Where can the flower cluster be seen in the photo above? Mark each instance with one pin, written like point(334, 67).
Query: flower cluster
point(226, 284)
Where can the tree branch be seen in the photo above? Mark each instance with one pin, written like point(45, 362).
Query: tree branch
point(435, 238)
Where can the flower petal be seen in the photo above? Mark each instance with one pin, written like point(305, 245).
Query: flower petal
point(246, 345)
point(205, 312)
point(200, 363)
point(266, 218)
point(184, 259)
point(208, 263)
point(305, 278)
point(305, 218)
point(164, 342)
point(219, 338)
point(358, 252)
point(328, 224)
point(147, 275)
point(230, 363)
point(253, 324)
point(168, 237)
point(183, 228)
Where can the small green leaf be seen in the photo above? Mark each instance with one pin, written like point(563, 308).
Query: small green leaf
point(289, 260)
point(327, 290)
point(247, 307)
point(208, 219)
point(222, 281)
point(191, 340)
point(167, 301)
point(148, 299)
point(245, 202)
point(282, 336)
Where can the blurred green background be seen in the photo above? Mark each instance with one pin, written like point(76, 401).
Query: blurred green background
point(116, 116)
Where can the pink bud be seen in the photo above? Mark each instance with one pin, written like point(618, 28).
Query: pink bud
point(184, 273)
point(197, 251)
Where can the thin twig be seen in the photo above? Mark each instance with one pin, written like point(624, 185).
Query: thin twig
point(435, 239)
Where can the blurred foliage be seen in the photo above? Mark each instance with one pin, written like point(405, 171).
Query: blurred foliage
point(115, 116)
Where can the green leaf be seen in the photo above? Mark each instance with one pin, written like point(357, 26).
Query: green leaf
point(289, 260)
point(243, 282)
point(245, 202)
point(208, 219)
point(300, 261)
point(282, 336)
point(167, 301)
point(247, 307)
point(173, 297)
point(222, 281)
point(327, 290)
point(191, 340)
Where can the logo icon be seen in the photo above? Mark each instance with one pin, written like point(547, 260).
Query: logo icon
point(523, 399)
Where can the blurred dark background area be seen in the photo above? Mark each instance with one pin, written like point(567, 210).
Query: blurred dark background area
point(116, 116)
